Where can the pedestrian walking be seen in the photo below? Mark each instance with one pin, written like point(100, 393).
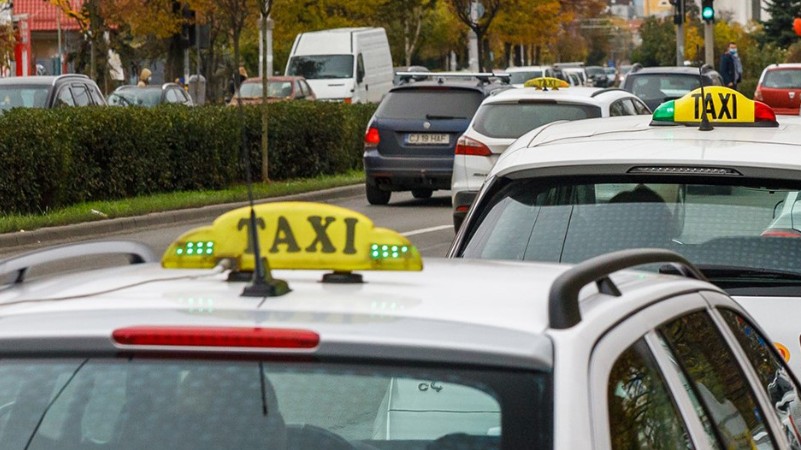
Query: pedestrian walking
point(731, 68)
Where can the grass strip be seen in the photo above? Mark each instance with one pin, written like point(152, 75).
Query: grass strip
point(90, 211)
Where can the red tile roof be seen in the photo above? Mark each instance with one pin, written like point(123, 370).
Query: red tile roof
point(42, 14)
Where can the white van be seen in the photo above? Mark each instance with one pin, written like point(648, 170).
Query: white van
point(353, 65)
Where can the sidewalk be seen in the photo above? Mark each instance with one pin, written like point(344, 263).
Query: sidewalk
point(19, 241)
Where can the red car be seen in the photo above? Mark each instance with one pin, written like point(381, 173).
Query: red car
point(780, 87)
point(279, 88)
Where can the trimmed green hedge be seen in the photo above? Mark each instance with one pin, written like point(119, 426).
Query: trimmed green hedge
point(53, 158)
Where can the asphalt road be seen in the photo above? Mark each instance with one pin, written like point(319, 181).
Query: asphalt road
point(427, 223)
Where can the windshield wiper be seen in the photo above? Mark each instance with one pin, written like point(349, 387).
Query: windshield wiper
point(741, 272)
point(438, 117)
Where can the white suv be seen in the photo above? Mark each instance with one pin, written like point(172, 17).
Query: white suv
point(504, 117)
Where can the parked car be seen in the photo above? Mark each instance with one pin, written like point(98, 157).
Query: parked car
point(409, 142)
point(150, 96)
point(656, 85)
point(519, 75)
point(49, 91)
point(279, 88)
point(597, 76)
point(780, 88)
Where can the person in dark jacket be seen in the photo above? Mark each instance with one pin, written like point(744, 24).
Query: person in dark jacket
point(731, 68)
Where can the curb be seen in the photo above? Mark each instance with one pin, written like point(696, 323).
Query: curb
point(9, 242)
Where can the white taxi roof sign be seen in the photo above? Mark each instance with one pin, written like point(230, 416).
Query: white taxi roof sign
point(545, 83)
point(723, 106)
point(295, 235)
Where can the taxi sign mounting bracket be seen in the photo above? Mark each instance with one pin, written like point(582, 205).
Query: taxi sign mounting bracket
point(705, 125)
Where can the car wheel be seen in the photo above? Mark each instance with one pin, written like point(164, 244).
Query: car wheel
point(376, 196)
point(422, 193)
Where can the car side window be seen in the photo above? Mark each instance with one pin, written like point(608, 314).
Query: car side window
point(718, 381)
point(172, 96)
point(359, 68)
point(616, 109)
point(97, 96)
point(642, 414)
point(640, 107)
point(776, 382)
point(81, 95)
point(305, 88)
point(64, 97)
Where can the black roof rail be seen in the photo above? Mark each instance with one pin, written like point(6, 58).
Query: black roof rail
point(136, 251)
point(484, 77)
point(605, 90)
point(563, 301)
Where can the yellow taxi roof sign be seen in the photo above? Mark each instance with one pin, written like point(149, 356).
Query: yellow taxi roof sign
point(295, 235)
point(724, 106)
point(544, 83)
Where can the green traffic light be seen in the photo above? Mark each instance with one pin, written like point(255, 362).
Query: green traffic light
point(708, 13)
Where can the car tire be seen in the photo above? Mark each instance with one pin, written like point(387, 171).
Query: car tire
point(376, 196)
point(422, 193)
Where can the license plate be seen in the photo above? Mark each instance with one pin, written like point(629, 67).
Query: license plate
point(428, 139)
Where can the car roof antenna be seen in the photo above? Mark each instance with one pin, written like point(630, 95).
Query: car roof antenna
point(262, 282)
point(705, 125)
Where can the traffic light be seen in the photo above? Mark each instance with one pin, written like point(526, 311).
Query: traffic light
point(708, 11)
point(678, 11)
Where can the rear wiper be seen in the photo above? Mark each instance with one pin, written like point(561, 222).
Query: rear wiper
point(721, 271)
point(438, 117)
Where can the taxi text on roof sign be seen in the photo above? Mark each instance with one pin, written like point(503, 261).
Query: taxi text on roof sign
point(295, 235)
point(544, 83)
point(723, 106)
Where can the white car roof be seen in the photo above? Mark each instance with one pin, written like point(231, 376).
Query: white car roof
point(578, 94)
point(632, 140)
point(526, 68)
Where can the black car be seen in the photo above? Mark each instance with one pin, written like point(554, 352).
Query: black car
point(149, 96)
point(597, 76)
point(410, 139)
point(656, 85)
point(49, 92)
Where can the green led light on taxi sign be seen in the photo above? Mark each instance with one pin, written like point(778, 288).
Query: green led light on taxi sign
point(295, 235)
point(721, 105)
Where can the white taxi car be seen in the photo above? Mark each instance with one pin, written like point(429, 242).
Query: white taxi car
point(724, 196)
point(338, 338)
point(507, 115)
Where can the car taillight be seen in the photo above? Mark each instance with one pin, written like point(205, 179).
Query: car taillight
point(371, 137)
point(462, 208)
point(781, 232)
point(217, 337)
point(758, 95)
point(468, 146)
point(348, 100)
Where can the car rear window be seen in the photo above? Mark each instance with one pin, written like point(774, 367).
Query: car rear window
point(420, 104)
point(204, 404)
point(522, 77)
point(782, 78)
point(741, 232)
point(23, 97)
point(670, 85)
point(512, 120)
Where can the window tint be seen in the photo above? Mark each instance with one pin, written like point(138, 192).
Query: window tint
point(642, 414)
point(512, 120)
point(133, 404)
point(450, 103)
point(776, 382)
point(718, 381)
point(81, 95)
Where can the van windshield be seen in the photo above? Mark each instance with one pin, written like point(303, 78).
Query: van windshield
point(317, 67)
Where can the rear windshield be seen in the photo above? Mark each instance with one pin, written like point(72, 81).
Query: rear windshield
point(427, 103)
point(321, 66)
point(782, 78)
point(23, 97)
point(136, 97)
point(522, 77)
point(512, 120)
point(741, 235)
point(274, 89)
point(650, 86)
point(136, 404)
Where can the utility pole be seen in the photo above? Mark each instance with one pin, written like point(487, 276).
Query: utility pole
point(708, 15)
point(678, 19)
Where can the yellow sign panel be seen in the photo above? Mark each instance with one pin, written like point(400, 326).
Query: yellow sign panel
point(295, 235)
point(546, 83)
point(723, 105)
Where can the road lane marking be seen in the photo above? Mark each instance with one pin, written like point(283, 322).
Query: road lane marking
point(426, 230)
